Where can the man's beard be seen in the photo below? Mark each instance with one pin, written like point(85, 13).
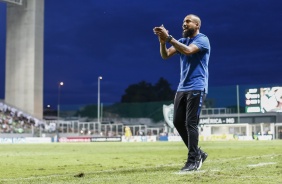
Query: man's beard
point(188, 32)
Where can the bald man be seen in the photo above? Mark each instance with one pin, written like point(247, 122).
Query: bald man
point(194, 51)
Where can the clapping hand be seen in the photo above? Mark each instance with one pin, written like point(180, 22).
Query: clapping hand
point(162, 33)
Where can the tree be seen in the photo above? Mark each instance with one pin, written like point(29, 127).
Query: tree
point(163, 90)
point(146, 92)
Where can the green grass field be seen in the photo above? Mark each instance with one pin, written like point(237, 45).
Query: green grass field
point(154, 162)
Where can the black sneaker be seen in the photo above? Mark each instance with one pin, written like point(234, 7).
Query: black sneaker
point(193, 166)
point(189, 166)
point(204, 155)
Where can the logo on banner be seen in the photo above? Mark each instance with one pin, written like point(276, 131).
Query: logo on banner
point(168, 114)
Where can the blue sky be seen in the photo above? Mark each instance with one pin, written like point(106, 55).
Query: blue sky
point(114, 39)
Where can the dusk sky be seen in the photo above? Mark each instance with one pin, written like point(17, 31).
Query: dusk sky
point(114, 39)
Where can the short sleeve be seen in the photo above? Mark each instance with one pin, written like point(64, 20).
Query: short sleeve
point(202, 43)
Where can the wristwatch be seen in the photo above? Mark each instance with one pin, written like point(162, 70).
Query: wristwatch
point(169, 38)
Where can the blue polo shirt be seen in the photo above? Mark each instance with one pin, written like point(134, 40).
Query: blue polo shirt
point(194, 68)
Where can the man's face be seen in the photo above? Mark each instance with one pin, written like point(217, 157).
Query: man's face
point(189, 27)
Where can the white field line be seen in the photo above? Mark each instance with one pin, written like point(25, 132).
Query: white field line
point(239, 158)
point(261, 164)
point(132, 168)
point(232, 176)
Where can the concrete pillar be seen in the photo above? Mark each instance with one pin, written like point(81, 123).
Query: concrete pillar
point(272, 130)
point(207, 130)
point(249, 130)
point(24, 57)
point(261, 129)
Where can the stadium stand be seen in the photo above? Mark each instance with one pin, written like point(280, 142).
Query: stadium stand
point(13, 120)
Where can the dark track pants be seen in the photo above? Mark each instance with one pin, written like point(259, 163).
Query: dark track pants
point(187, 108)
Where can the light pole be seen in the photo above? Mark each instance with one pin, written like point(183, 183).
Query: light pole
point(98, 104)
point(58, 109)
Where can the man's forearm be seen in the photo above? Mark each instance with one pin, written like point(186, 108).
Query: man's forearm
point(163, 51)
point(180, 47)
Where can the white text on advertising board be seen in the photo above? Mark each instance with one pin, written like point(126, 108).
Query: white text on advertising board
point(217, 120)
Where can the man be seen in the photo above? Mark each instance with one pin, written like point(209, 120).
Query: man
point(194, 52)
